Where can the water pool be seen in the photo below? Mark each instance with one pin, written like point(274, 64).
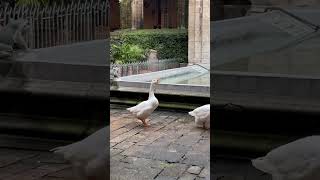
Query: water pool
point(186, 80)
point(192, 78)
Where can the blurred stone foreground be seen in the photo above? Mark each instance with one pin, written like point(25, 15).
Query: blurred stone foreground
point(283, 3)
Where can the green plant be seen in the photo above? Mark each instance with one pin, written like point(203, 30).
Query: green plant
point(126, 53)
point(170, 43)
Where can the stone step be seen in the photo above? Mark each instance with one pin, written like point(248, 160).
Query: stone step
point(167, 101)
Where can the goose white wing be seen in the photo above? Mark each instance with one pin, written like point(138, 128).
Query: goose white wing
point(202, 112)
point(135, 109)
point(145, 108)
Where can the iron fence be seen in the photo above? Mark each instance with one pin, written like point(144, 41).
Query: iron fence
point(146, 66)
point(54, 25)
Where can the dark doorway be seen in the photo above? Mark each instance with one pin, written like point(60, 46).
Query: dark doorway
point(164, 13)
point(226, 9)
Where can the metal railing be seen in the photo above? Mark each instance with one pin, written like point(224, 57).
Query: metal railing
point(54, 25)
point(146, 66)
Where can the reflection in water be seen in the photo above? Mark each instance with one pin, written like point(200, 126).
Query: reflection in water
point(188, 78)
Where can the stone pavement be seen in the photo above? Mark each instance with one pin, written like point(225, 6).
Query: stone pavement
point(171, 148)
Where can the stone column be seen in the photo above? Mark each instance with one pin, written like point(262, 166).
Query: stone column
point(199, 32)
point(137, 14)
point(206, 32)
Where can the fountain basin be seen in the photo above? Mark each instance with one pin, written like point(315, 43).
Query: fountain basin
point(191, 80)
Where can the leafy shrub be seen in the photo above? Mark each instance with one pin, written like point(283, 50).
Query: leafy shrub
point(170, 43)
point(126, 53)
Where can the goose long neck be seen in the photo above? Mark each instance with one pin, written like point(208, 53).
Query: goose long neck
point(151, 91)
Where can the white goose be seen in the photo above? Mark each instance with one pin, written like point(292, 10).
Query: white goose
point(144, 109)
point(88, 157)
point(202, 116)
point(298, 160)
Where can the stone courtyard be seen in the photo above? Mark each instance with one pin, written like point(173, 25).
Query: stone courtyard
point(171, 148)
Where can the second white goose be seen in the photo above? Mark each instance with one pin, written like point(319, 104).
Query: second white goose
point(202, 116)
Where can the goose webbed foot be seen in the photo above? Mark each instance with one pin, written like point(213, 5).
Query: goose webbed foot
point(204, 125)
point(145, 124)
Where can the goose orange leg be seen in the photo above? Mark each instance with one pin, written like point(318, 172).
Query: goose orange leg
point(205, 126)
point(145, 124)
